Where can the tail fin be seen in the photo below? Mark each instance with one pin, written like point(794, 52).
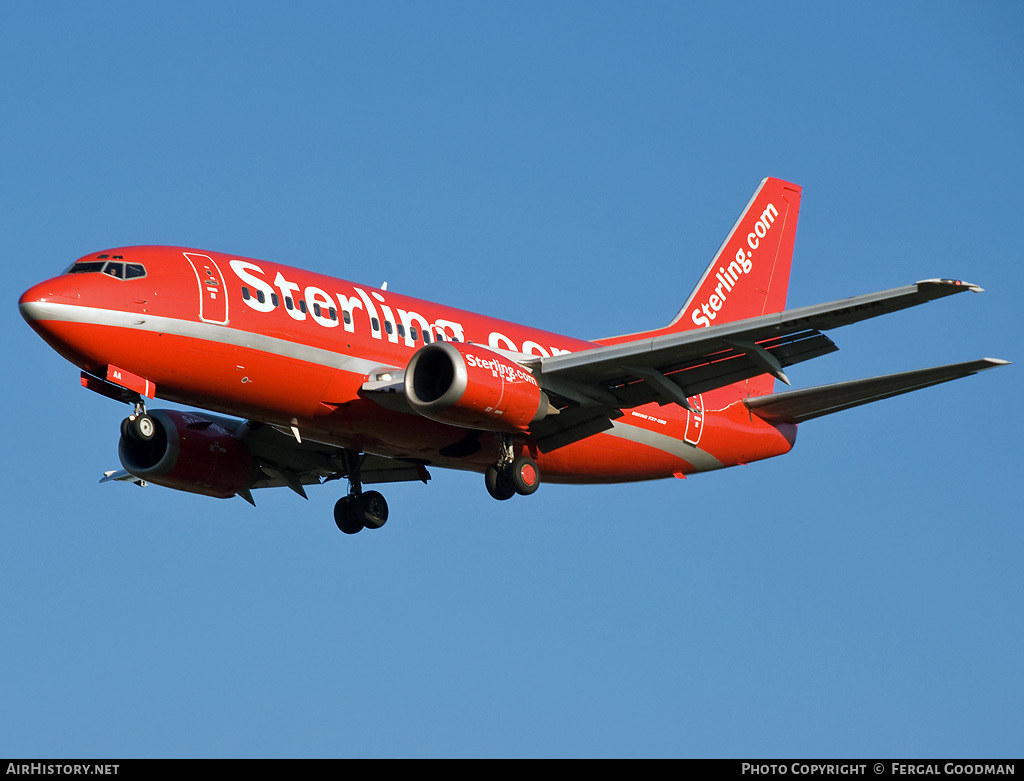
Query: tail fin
point(749, 275)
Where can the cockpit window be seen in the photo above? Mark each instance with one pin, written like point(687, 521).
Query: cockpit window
point(86, 267)
point(115, 268)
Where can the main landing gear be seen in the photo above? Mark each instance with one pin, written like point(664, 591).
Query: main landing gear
point(356, 512)
point(512, 474)
point(359, 510)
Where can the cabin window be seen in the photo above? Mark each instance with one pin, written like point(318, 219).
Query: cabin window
point(414, 333)
point(288, 303)
point(346, 316)
point(274, 299)
point(426, 337)
point(401, 330)
point(388, 327)
point(375, 323)
point(261, 297)
point(316, 309)
point(332, 313)
point(246, 294)
point(302, 306)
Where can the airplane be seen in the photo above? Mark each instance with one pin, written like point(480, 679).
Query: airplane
point(326, 379)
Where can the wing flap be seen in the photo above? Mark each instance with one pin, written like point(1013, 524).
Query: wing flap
point(725, 367)
point(380, 469)
point(635, 388)
point(801, 405)
point(287, 462)
point(571, 425)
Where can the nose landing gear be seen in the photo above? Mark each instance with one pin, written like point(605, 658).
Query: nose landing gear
point(138, 426)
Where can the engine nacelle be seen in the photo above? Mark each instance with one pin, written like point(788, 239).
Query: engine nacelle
point(473, 387)
point(189, 452)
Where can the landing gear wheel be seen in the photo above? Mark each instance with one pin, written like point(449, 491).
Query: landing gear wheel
point(145, 427)
point(372, 509)
point(345, 516)
point(359, 510)
point(499, 483)
point(524, 475)
point(141, 428)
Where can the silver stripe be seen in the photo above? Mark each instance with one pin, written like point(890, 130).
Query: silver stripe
point(684, 450)
point(73, 313)
point(210, 332)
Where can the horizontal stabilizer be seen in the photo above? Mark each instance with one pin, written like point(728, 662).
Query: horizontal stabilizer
point(121, 476)
point(800, 405)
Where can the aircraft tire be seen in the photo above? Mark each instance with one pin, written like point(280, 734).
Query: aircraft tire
point(372, 509)
point(144, 428)
point(345, 518)
point(499, 483)
point(525, 475)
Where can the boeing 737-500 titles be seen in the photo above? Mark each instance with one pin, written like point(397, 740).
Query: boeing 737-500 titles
point(325, 379)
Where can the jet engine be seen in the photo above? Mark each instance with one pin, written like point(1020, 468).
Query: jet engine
point(471, 386)
point(185, 451)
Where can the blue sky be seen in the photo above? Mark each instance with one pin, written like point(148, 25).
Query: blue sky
point(573, 166)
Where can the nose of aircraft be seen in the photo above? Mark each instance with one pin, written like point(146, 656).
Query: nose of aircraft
point(34, 302)
point(51, 308)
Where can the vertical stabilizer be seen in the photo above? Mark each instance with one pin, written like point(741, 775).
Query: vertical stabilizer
point(749, 275)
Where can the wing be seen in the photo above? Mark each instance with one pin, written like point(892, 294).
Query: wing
point(595, 384)
point(286, 461)
point(281, 459)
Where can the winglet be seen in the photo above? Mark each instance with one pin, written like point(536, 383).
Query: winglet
point(956, 283)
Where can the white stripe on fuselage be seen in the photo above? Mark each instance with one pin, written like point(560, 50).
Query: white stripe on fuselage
point(76, 313)
point(701, 459)
point(73, 313)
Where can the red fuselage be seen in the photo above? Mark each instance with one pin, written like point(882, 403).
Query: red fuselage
point(289, 347)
